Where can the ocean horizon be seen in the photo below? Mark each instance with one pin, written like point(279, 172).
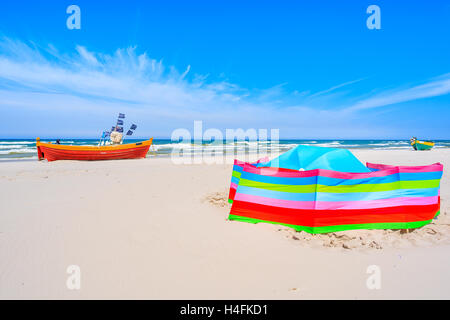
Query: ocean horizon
point(21, 149)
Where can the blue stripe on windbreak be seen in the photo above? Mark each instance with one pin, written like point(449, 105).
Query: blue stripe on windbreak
point(278, 180)
point(362, 196)
point(237, 168)
point(276, 194)
point(234, 180)
point(410, 176)
point(326, 181)
point(324, 196)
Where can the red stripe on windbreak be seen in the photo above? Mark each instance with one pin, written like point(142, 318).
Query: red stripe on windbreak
point(321, 218)
point(232, 194)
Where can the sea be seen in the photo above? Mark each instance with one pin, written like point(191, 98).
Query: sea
point(25, 149)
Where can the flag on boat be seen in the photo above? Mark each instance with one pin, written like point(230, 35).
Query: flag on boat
point(133, 127)
point(129, 133)
point(120, 122)
point(121, 116)
point(119, 129)
point(321, 190)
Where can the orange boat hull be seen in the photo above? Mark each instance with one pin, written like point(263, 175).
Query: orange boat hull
point(53, 152)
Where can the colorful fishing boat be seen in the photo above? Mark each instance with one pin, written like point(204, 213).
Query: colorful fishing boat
point(52, 152)
point(421, 145)
point(110, 147)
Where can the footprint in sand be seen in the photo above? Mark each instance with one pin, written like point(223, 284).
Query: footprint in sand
point(217, 199)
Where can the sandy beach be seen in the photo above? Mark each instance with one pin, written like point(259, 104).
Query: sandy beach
point(152, 229)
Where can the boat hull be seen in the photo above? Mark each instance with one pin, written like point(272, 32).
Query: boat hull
point(422, 145)
point(53, 152)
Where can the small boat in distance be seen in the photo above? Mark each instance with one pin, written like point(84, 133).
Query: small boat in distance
point(53, 152)
point(421, 145)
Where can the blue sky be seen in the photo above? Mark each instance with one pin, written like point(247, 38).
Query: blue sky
point(309, 68)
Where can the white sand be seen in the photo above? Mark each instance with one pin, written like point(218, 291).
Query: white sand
point(152, 229)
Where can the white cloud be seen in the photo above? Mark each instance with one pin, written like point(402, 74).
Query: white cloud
point(87, 56)
point(436, 87)
point(334, 88)
point(42, 81)
point(185, 72)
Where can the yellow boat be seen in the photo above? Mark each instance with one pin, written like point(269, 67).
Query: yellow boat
point(421, 145)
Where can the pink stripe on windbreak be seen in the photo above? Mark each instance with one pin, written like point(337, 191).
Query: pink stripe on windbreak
point(242, 163)
point(265, 159)
point(329, 205)
point(233, 185)
point(239, 163)
point(406, 169)
point(274, 172)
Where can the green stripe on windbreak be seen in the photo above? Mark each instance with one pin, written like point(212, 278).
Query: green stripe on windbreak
point(326, 229)
point(236, 174)
point(230, 201)
point(420, 184)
